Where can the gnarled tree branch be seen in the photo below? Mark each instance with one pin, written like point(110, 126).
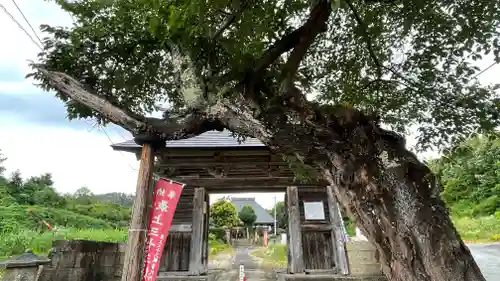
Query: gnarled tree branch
point(316, 24)
point(307, 32)
point(176, 126)
point(234, 114)
point(231, 18)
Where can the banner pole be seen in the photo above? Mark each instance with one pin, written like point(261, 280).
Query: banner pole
point(136, 242)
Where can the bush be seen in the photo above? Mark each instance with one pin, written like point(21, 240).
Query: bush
point(218, 233)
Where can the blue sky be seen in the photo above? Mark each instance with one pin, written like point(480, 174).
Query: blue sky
point(37, 137)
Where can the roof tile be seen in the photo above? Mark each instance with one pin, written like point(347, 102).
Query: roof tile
point(207, 139)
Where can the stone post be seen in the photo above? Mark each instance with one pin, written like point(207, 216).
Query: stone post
point(362, 259)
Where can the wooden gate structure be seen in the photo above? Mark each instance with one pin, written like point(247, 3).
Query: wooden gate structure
point(215, 162)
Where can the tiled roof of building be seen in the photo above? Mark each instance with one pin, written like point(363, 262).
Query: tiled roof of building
point(263, 217)
point(207, 139)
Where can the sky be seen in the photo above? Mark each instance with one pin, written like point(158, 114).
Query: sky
point(36, 136)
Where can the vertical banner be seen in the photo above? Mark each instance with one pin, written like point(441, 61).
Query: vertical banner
point(165, 199)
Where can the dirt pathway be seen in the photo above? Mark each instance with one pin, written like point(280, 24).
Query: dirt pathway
point(227, 266)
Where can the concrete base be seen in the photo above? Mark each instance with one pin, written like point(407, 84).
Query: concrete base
point(327, 277)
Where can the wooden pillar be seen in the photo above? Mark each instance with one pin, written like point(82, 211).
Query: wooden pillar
point(338, 235)
point(206, 226)
point(196, 252)
point(136, 242)
point(295, 256)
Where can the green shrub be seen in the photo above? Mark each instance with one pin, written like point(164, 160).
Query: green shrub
point(218, 233)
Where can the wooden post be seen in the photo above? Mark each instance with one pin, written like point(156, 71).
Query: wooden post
point(196, 252)
point(136, 242)
point(338, 235)
point(296, 257)
point(206, 227)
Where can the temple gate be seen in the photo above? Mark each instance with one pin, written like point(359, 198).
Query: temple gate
point(215, 162)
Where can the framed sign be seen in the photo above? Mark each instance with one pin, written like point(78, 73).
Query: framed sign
point(314, 211)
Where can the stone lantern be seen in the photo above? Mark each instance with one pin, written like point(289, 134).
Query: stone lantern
point(23, 268)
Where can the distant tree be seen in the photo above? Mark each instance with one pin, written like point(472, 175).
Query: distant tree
point(2, 160)
point(247, 215)
point(223, 214)
point(281, 215)
point(47, 196)
point(15, 185)
point(44, 179)
point(16, 180)
point(83, 195)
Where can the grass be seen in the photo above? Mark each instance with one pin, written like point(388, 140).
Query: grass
point(273, 255)
point(478, 230)
point(217, 247)
point(15, 243)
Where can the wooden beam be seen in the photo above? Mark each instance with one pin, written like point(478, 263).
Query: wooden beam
point(196, 253)
point(316, 227)
point(261, 189)
point(215, 152)
point(136, 242)
point(338, 235)
point(208, 163)
point(296, 257)
point(243, 182)
point(183, 227)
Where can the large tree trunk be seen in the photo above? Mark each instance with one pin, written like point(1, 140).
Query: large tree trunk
point(407, 222)
point(392, 196)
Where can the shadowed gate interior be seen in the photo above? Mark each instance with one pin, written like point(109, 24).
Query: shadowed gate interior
point(215, 162)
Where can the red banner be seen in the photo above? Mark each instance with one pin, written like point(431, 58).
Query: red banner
point(165, 201)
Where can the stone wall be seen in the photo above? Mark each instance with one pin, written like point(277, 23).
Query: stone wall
point(81, 260)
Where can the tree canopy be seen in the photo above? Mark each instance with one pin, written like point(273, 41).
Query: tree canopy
point(247, 215)
point(281, 215)
point(410, 61)
point(223, 214)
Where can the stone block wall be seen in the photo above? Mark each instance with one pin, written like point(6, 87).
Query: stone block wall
point(81, 260)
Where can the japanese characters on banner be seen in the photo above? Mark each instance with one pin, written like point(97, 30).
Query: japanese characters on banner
point(165, 201)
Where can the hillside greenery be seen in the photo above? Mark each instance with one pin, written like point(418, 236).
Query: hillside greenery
point(470, 176)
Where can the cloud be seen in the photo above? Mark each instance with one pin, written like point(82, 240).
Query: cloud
point(35, 134)
point(42, 109)
point(75, 157)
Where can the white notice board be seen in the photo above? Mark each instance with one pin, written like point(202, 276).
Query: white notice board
point(314, 211)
